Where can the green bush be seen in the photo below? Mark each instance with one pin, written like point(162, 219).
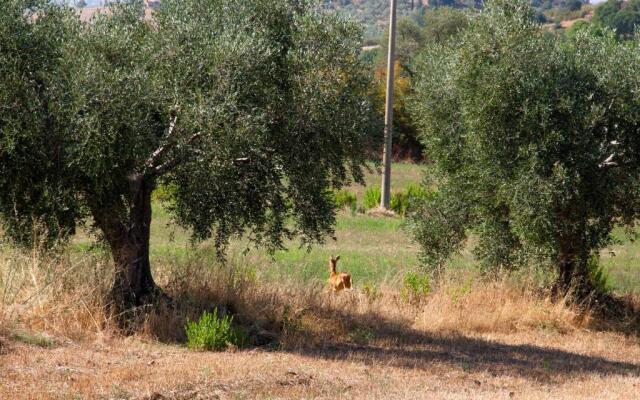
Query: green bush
point(345, 199)
point(405, 200)
point(372, 197)
point(213, 333)
point(398, 202)
point(415, 286)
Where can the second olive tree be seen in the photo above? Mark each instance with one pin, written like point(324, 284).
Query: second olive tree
point(535, 143)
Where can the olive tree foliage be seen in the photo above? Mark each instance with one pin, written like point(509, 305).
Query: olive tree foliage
point(535, 144)
point(29, 147)
point(248, 111)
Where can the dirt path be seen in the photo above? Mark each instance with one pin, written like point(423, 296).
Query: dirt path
point(418, 366)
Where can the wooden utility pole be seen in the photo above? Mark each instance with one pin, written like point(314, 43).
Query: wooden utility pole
point(388, 117)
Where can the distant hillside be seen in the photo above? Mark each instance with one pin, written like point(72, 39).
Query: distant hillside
point(375, 13)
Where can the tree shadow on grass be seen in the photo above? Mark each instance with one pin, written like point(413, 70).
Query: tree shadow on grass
point(270, 315)
point(404, 347)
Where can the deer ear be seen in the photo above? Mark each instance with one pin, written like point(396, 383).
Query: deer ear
point(337, 257)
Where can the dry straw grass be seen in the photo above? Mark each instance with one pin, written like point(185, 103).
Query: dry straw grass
point(64, 297)
point(56, 293)
point(465, 339)
point(498, 307)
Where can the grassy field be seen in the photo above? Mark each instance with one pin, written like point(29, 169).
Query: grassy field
point(374, 250)
point(468, 338)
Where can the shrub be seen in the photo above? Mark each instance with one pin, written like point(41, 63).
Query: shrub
point(398, 202)
point(214, 333)
point(164, 193)
point(372, 197)
point(405, 201)
point(415, 286)
point(345, 199)
point(573, 5)
point(362, 335)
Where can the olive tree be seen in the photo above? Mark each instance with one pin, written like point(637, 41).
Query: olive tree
point(535, 144)
point(248, 111)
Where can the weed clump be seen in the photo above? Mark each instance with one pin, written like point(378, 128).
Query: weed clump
point(405, 201)
point(401, 202)
point(372, 197)
point(345, 199)
point(214, 333)
point(415, 286)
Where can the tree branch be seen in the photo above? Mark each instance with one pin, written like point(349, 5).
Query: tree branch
point(170, 164)
point(608, 162)
point(155, 157)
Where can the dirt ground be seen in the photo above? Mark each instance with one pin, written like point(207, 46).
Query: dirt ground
point(406, 365)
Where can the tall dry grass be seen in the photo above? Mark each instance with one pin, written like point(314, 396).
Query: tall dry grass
point(58, 293)
point(64, 296)
point(497, 307)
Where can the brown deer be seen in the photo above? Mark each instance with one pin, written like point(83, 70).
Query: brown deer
point(338, 281)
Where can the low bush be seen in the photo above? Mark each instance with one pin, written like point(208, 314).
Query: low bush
point(404, 201)
point(214, 333)
point(346, 200)
point(415, 286)
point(372, 197)
point(164, 193)
point(398, 202)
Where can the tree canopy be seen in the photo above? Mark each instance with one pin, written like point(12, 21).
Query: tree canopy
point(534, 140)
point(249, 112)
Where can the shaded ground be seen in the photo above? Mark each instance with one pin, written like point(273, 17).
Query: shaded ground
point(403, 365)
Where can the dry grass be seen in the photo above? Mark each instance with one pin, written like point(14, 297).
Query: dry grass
point(578, 366)
point(59, 294)
point(466, 339)
point(497, 307)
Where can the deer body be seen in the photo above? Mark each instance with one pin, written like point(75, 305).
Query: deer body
point(338, 280)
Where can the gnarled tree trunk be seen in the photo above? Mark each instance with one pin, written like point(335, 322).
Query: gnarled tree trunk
point(133, 283)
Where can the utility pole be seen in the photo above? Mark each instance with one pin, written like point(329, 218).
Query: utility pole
point(388, 115)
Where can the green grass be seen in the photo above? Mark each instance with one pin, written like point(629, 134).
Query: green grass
point(621, 262)
point(32, 339)
point(373, 250)
point(401, 176)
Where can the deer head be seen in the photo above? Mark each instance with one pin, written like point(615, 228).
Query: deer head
point(333, 262)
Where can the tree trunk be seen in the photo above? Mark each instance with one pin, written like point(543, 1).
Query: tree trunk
point(133, 283)
point(573, 274)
